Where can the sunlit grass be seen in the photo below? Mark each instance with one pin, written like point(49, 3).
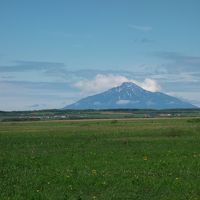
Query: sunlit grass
point(141, 159)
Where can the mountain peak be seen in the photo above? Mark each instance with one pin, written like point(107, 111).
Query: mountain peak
point(128, 84)
point(129, 95)
point(130, 87)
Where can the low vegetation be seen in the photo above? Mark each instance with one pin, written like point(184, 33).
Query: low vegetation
point(95, 114)
point(113, 159)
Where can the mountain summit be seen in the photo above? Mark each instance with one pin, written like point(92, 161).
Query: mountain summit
point(129, 96)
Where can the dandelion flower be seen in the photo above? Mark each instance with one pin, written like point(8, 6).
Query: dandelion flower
point(94, 172)
point(145, 158)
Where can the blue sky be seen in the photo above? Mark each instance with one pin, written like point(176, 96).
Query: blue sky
point(53, 53)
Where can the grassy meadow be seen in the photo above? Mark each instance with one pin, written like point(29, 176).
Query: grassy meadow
point(156, 159)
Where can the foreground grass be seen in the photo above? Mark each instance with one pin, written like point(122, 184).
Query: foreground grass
point(141, 159)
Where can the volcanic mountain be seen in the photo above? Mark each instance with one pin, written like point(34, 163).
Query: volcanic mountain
point(129, 96)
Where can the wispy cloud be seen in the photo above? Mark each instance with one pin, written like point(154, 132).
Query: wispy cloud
point(184, 61)
point(190, 96)
point(20, 66)
point(177, 68)
point(51, 83)
point(140, 28)
point(22, 95)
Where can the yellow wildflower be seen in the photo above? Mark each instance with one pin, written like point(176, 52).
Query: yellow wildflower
point(145, 158)
point(94, 172)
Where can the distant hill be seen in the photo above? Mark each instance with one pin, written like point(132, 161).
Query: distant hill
point(129, 96)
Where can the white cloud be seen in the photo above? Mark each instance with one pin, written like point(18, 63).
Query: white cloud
point(103, 82)
point(149, 84)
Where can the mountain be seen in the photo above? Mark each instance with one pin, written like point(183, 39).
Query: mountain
point(129, 96)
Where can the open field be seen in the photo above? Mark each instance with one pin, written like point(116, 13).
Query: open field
point(113, 159)
point(46, 115)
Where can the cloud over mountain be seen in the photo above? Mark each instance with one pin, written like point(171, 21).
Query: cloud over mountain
point(102, 82)
point(129, 96)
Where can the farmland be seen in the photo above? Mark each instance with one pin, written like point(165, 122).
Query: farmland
point(100, 159)
point(58, 114)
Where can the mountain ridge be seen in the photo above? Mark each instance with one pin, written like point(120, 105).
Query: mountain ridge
point(129, 96)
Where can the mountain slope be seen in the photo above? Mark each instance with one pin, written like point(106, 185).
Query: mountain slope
point(127, 96)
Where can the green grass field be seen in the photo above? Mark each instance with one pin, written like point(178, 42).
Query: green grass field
point(137, 159)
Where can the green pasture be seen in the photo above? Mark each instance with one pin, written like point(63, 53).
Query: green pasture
point(151, 159)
